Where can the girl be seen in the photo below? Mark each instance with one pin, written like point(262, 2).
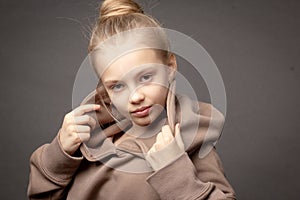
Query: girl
point(133, 137)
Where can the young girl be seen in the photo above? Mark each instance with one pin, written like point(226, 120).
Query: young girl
point(133, 137)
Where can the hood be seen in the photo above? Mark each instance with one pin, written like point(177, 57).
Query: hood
point(200, 127)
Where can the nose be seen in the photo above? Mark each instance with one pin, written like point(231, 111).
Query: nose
point(137, 97)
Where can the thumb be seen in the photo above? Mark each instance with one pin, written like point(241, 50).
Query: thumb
point(178, 136)
point(84, 137)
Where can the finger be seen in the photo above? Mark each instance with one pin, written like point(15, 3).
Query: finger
point(167, 133)
point(82, 129)
point(166, 130)
point(84, 136)
point(163, 140)
point(177, 129)
point(85, 119)
point(160, 141)
point(158, 146)
point(159, 137)
point(178, 136)
point(152, 149)
point(85, 108)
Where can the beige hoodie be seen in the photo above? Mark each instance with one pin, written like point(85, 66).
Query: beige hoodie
point(109, 171)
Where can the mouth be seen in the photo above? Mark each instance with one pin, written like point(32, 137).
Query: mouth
point(141, 112)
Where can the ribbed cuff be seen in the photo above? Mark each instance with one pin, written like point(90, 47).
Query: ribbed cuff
point(162, 158)
point(59, 165)
point(178, 180)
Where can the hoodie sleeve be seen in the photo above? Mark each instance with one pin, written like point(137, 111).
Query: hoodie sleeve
point(51, 171)
point(192, 179)
point(193, 176)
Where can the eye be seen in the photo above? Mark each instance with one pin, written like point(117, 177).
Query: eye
point(117, 87)
point(146, 78)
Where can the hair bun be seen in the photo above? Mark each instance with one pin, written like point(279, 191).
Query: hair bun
point(111, 8)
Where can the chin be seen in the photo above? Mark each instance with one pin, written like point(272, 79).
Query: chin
point(142, 121)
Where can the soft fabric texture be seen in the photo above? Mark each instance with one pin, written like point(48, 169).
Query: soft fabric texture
point(109, 171)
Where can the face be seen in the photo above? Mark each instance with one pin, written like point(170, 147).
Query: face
point(137, 84)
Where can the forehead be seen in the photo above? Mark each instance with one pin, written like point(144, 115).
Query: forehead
point(130, 62)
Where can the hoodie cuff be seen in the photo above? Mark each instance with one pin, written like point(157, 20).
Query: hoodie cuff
point(57, 164)
point(178, 180)
point(162, 158)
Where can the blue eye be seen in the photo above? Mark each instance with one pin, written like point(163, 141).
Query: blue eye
point(117, 87)
point(146, 78)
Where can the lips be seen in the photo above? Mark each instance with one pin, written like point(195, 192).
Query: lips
point(141, 112)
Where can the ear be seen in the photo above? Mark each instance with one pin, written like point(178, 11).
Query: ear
point(172, 64)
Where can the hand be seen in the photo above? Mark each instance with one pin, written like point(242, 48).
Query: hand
point(76, 127)
point(165, 137)
point(166, 149)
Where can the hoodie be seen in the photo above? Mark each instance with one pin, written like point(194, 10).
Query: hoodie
point(108, 170)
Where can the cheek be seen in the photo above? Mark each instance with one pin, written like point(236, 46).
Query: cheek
point(158, 94)
point(120, 101)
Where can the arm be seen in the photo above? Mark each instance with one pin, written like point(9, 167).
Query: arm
point(183, 179)
point(210, 169)
point(53, 165)
point(51, 171)
point(179, 176)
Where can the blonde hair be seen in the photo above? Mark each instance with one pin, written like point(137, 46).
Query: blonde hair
point(117, 16)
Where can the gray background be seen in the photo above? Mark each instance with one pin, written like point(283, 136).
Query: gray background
point(254, 43)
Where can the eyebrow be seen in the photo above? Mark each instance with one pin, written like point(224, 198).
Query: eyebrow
point(109, 82)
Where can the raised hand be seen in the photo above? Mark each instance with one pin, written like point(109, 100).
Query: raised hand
point(76, 127)
point(165, 137)
point(166, 149)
